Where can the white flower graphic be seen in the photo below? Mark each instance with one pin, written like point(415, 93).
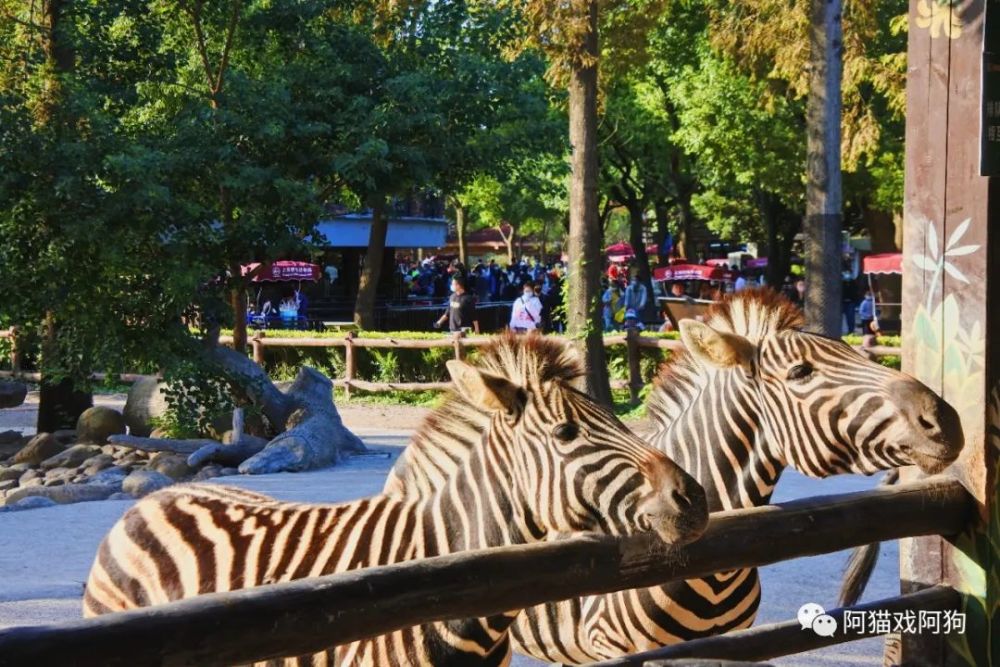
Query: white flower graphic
point(938, 261)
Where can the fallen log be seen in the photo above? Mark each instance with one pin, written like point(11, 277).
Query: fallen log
point(312, 435)
point(309, 615)
point(227, 455)
point(177, 446)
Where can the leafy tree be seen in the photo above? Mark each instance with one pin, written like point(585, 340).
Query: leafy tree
point(100, 248)
point(750, 151)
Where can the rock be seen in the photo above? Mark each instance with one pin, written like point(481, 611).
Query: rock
point(95, 464)
point(12, 393)
point(33, 502)
point(63, 494)
point(120, 496)
point(97, 423)
point(130, 459)
point(9, 473)
point(59, 475)
point(225, 472)
point(144, 482)
point(8, 484)
point(38, 449)
point(72, 457)
point(145, 402)
point(35, 481)
point(208, 472)
point(110, 477)
point(159, 432)
point(9, 437)
point(173, 466)
point(27, 476)
point(65, 436)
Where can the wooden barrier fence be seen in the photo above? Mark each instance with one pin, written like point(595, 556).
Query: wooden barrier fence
point(459, 342)
point(308, 615)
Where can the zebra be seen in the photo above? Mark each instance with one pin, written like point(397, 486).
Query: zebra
point(753, 394)
point(543, 460)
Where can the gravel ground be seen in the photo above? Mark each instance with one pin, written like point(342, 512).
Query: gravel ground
point(45, 553)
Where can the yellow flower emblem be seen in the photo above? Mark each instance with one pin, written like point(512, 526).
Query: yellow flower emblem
point(938, 17)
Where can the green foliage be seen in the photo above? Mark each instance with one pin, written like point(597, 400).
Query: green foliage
point(195, 395)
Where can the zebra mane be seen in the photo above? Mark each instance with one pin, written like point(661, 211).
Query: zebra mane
point(528, 361)
point(752, 313)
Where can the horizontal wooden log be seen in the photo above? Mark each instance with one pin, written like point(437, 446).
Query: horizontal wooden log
point(33, 376)
point(364, 385)
point(308, 615)
point(162, 444)
point(775, 640)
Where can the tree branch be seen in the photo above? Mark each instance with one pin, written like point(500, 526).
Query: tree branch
point(234, 19)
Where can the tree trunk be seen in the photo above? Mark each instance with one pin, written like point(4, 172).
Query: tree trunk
point(685, 224)
point(583, 302)
point(59, 402)
point(364, 309)
point(662, 227)
point(637, 225)
point(463, 244)
point(238, 305)
point(823, 222)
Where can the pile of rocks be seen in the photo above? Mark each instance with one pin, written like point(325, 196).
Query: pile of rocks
point(80, 465)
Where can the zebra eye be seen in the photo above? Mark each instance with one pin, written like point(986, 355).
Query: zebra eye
point(566, 431)
point(800, 371)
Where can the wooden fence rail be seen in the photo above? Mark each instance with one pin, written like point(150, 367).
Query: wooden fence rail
point(308, 615)
point(457, 342)
point(775, 640)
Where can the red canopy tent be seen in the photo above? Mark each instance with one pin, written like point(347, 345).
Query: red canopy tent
point(283, 271)
point(884, 263)
point(691, 272)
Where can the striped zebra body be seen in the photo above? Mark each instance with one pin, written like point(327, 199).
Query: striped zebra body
point(753, 395)
point(541, 465)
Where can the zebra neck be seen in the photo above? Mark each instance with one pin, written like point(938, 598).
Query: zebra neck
point(715, 432)
point(474, 510)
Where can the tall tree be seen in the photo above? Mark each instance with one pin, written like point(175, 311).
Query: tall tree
point(823, 223)
point(568, 33)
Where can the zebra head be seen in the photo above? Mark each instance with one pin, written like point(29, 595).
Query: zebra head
point(569, 464)
point(822, 406)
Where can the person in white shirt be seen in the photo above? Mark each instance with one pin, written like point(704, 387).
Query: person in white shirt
point(526, 311)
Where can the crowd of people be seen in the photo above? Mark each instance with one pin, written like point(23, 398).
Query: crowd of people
point(533, 289)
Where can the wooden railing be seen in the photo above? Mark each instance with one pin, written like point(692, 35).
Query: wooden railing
point(308, 615)
point(459, 343)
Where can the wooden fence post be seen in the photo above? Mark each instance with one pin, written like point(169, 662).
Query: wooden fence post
point(15, 350)
point(456, 341)
point(350, 364)
point(258, 347)
point(951, 325)
point(634, 369)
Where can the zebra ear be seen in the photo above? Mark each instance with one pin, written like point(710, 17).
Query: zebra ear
point(716, 348)
point(484, 390)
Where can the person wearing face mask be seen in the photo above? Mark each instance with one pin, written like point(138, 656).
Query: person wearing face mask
point(526, 311)
point(461, 311)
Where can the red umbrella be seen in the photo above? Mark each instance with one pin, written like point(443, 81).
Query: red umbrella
point(691, 272)
point(283, 271)
point(888, 262)
point(620, 248)
point(717, 261)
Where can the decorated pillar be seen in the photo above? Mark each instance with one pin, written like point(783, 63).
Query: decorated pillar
point(951, 299)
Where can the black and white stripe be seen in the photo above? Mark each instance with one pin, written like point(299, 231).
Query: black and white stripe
point(542, 459)
point(735, 417)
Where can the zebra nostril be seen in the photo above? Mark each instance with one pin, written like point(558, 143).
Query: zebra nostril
point(926, 423)
point(680, 500)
